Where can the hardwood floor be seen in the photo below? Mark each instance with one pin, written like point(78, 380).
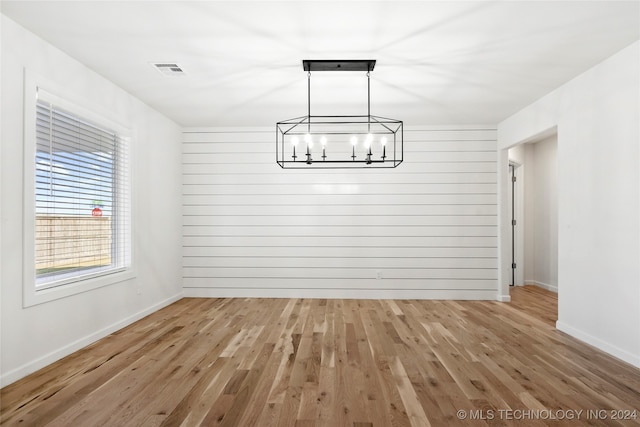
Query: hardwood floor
point(537, 302)
point(263, 362)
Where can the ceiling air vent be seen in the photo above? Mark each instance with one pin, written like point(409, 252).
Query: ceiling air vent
point(169, 68)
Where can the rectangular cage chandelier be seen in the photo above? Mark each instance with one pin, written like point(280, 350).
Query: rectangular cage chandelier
point(322, 142)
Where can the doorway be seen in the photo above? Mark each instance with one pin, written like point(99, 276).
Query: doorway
point(533, 213)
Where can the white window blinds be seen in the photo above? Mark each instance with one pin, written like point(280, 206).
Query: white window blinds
point(82, 215)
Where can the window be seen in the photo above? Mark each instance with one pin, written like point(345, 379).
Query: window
point(80, 172)
point(78, 231)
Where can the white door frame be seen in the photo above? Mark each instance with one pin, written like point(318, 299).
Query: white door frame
point(520, 221)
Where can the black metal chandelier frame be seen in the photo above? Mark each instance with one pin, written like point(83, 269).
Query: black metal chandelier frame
point(355, 141)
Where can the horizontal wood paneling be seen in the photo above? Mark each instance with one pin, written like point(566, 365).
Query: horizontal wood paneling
point(349, 209)
point(416, 189)
point(425, 157)
point(340, 220)
point(193, 254)
point(339, 283)
point(333, 272)
point(351, 231)
point(339, 241)
point(428, 225)
point(338, 199)
point(270, 167)
point(259, 136)
point(340, 179)
point(351, 261)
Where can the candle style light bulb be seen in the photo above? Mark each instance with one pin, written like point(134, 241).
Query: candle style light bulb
point(294, 143)
point(367, 145)
point(383, 141)
point(323, 142)
point(354, 142)
point(309, 141)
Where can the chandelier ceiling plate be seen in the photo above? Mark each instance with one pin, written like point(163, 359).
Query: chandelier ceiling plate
point(338, 64)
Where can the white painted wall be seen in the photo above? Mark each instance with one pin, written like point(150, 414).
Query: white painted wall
point(36, 336)
point(597, 115)
point(543, 200)
point(253, 229)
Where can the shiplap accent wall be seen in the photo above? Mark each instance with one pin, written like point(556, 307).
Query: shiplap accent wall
point(427, 229)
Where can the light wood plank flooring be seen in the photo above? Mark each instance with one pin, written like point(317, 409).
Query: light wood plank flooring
point(293, 362)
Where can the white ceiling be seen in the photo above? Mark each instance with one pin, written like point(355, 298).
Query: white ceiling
point(438, 62)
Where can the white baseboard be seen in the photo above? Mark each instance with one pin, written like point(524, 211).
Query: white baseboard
point(314, 293)
point(552, 288)
point(32, 366)
point(613, 350)
point(504, 298)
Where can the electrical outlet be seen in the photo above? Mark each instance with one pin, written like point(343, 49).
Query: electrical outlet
point(378, 274)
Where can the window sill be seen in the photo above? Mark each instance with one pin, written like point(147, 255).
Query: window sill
point(33, 296)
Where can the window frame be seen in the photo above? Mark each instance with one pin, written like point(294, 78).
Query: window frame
point(33, 293)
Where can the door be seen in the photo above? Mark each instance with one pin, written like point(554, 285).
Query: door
point(512, 175)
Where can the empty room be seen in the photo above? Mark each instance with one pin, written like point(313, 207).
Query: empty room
point(319, 213)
